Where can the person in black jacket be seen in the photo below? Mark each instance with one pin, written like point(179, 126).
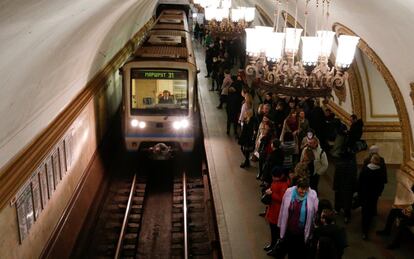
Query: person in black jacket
point(234, 103)
point(246, 140)
point(354, 132)
point(370, 187)
point(329, 239)
point(275, 159)
point(344, 183)
point(209, 59)
point(406, 218)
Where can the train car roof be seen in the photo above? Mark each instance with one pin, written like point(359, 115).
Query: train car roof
point(174, 2)
point(171, 20)
point(171, 45)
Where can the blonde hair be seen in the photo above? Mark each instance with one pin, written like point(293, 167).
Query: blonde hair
point(301, 170)
point(308, 154)
point(248, 114)
point(248, 100)
point(375, 159)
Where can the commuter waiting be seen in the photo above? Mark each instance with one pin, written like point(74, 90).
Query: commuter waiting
point(277, 189)
point(405, 216)
point(371, 185)
point(320, 162)
point(296, 218)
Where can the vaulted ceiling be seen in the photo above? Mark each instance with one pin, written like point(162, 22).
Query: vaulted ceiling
point(49, 50)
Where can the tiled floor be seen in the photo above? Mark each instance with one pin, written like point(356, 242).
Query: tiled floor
point(236, 192)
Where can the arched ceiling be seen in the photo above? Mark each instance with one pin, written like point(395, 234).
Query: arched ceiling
point(50, 49)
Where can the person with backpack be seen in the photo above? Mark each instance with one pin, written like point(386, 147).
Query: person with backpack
point(320, 163)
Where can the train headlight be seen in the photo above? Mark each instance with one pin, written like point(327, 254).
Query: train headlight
point(185, 123)
point(134, 123)
point(176, 125)
point(182, 124)
point(142, 124)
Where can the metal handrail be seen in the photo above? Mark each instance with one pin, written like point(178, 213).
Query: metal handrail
point(185, 216)
point(125, 221)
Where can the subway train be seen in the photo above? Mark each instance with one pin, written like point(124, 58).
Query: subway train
point(160, 89)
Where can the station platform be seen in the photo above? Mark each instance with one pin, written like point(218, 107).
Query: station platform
point(236, 192)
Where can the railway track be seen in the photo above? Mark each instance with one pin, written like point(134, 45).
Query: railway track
point(167, 217)
point(125, 199)
point(189, 196)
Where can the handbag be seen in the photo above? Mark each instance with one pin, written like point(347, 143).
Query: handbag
point(360, 145)
point(266, 199)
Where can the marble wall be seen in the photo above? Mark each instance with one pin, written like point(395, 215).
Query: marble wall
point(87, 131)
point(389, 143)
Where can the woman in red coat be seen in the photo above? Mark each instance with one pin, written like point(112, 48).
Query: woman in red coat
point(277, 190)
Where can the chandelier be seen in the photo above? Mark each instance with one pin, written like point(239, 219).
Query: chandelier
point(288, 63)
point(224, 20)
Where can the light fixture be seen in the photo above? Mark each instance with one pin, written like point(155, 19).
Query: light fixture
point(288, 63)
point(223, 20)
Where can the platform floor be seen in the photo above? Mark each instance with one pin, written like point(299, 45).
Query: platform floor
point(243, 233)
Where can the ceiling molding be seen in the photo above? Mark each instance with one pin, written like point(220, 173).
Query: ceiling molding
point(266, 18)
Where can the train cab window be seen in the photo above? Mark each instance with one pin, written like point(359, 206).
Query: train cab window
point(160, 92)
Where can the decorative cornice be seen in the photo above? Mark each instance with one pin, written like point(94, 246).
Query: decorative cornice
point(356, 91)
point(382, 126)
point(404, 119)
point(291, 20)
point(408, 169)
point(412, 92)
point(20, 168)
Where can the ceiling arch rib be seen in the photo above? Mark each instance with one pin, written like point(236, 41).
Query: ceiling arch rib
point(391, 83)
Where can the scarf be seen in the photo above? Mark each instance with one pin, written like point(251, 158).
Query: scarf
point(295, 196)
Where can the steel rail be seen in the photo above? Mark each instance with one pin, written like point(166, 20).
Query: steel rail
point(125, 222)
point(185, 216)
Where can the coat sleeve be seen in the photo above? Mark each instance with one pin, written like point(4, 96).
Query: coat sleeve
point(323, 163)
point(283, 214)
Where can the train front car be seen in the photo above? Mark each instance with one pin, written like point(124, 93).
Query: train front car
point(159, 93)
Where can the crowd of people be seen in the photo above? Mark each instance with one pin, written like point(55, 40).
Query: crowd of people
point(291, 139)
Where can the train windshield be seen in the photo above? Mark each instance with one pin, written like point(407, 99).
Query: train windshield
point(159, 92)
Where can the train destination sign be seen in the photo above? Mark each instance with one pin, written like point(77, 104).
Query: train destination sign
point(159, 74)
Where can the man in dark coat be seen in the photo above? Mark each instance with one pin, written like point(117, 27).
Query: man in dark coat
point(317, 123)
point(332, 232)
point(209, 59)
point(234, 103)
point(344, 183)
point(354, 132)
point(406, 217)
